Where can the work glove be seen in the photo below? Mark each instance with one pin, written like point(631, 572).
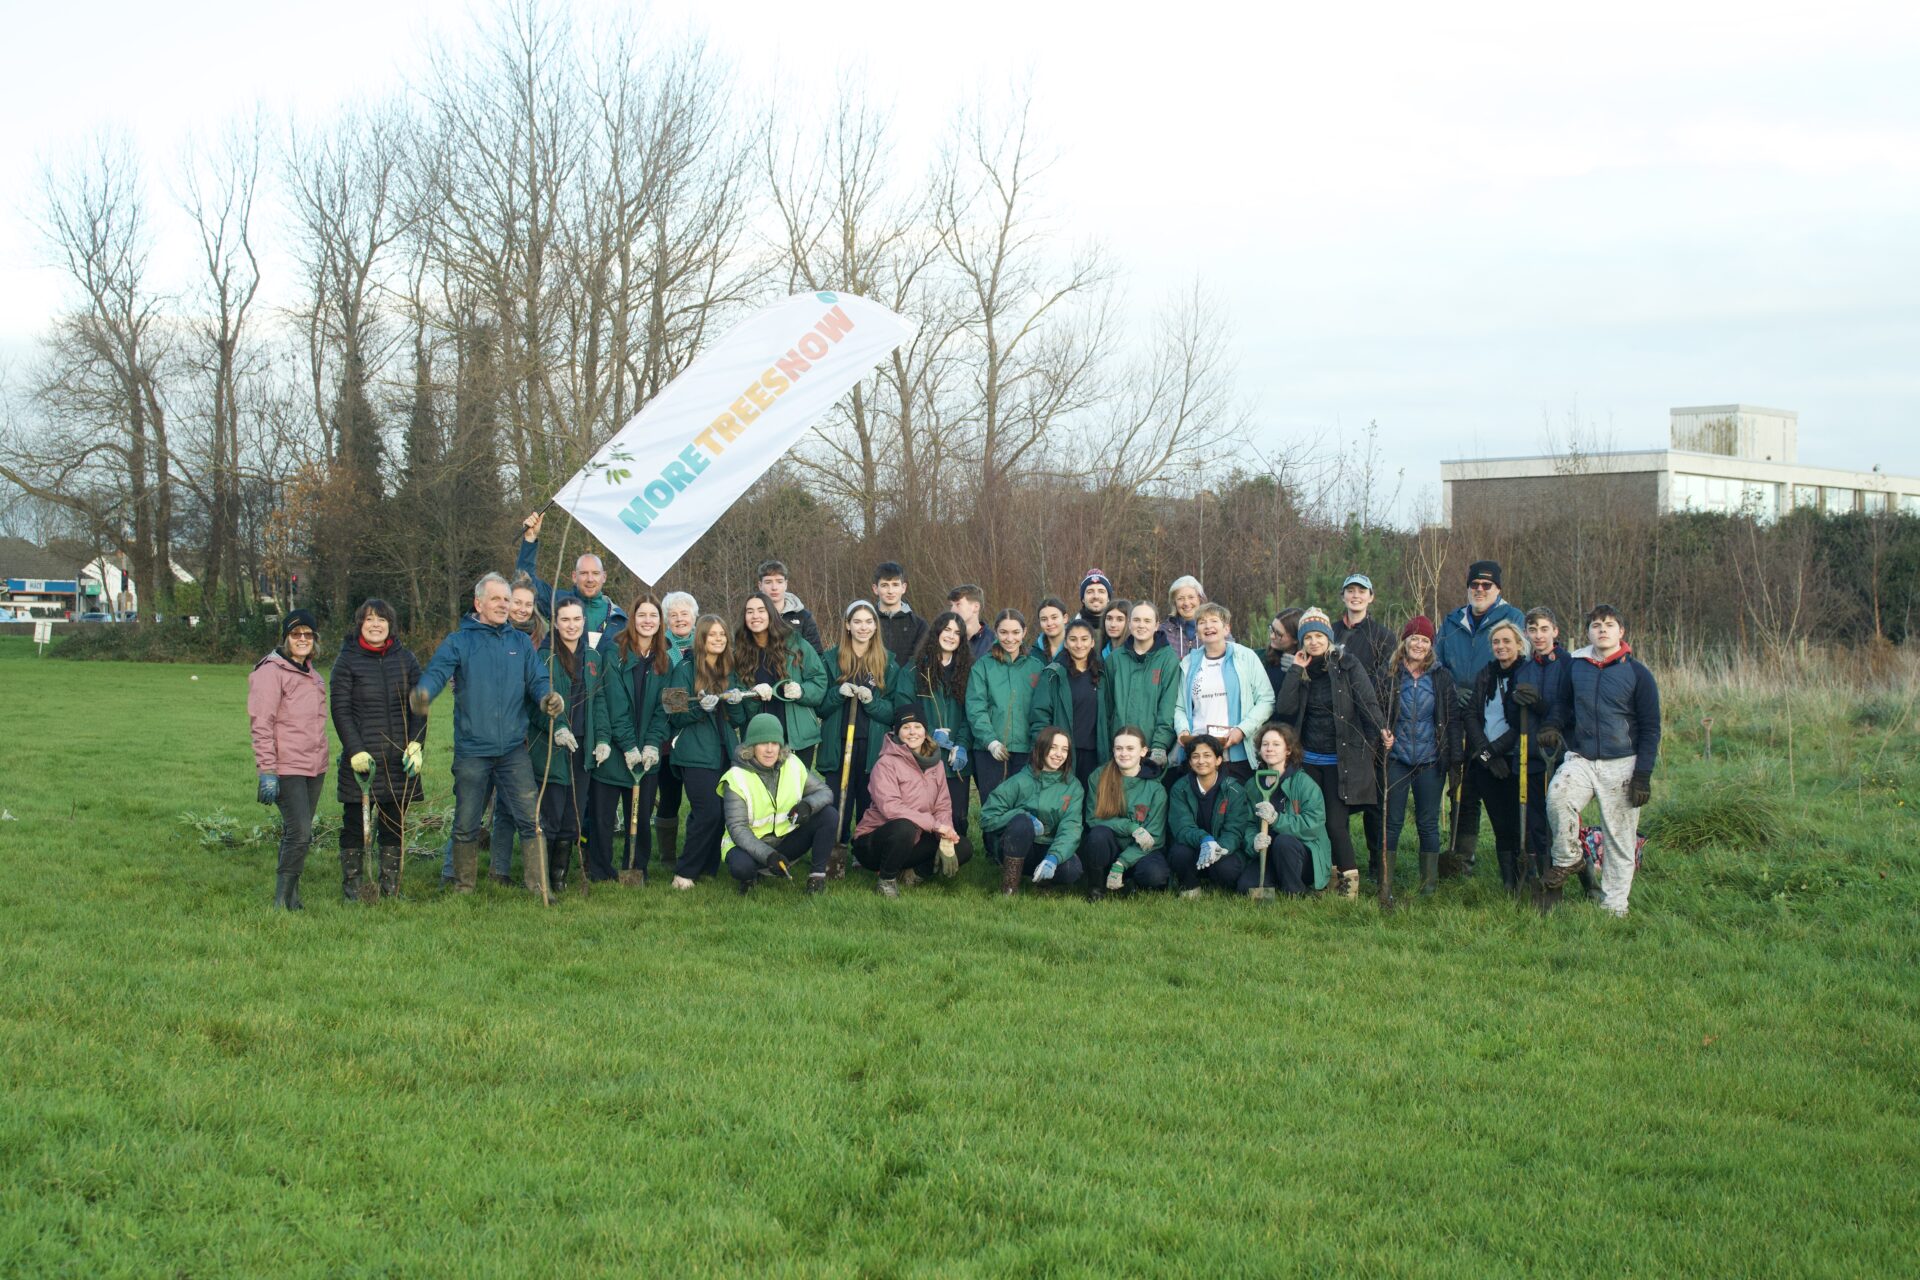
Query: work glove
point(1527, 696)
point(959, 759)
point(601, 751)
point(997, 750)
point(1143, 837)
point(1039, 827)
point(801, 812)
point(943, 738)
point(410, 759)
point(418, 701)
point(1498, 767)
point(1266, 812)
point(649, 757)
point(848, 688)
point(1157, 757)
point(949, 858)
point(791, 692)
point(733, 697)
point(764, 692)
point(1211, 851)
point(1550, 741)
point(1048, 865)
point(362, 762)
point(553, 704)
point(1262, 841)
point(632, 756)
point(708, 701)
point(861, 692)
point(1116, 878)
point(563, 737)
point(269, 792)
point(1640, 790)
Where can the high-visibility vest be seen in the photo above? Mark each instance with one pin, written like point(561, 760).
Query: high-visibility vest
point(772, 814)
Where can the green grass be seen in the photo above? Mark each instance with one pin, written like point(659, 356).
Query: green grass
point(951, 1084)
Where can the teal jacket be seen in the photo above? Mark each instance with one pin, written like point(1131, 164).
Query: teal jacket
point(628, 714)
point(1054, 798)
point(803, 721)
point(1143, 691)
point(701, 739)
point(1303, 815)
point(880, 713)
point(1146, 807)
point(1000, 698)
point(555, 766)
point(942, 711)
point(1053, 705)
point(1223, 813)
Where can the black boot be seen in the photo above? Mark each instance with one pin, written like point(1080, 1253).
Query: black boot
point(1429, 872)
point(391, 861)
point(285, 892)
point(1012, 871)
point(559, 858)
point(1509, 868)
point(350, 875)
point(666, 841)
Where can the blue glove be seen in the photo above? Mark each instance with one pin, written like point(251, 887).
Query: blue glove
point(1211, 851)
point(1039, 827)
point(959, 759)
point(1048, 865)
point(942, 738)
point(269, 792)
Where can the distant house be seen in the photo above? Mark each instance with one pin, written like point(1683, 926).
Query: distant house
point(1726, 458)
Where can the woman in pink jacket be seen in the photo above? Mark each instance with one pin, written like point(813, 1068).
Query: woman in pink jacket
point(907, 829)
point(287, 711)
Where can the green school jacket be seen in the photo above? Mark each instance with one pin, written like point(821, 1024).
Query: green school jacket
point(943, 712)
point(1303, 815)
point(1053, 705)
point(880, 714)
point(1054, 798)
point(621, 721)
point(1231, 811)
point(1143, 692)
point(556, 770)
point(1146, 807)
point(701, 739)
point(803, 722)
point(1000, 698)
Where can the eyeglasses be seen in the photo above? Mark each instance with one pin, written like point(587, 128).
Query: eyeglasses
point(302, 634)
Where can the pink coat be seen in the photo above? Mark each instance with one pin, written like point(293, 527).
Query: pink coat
point(287, 712)
point(900, 788)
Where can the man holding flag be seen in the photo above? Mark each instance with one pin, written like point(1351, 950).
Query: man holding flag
point(604, 617)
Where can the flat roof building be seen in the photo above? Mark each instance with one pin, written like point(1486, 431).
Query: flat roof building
point(1730, 458)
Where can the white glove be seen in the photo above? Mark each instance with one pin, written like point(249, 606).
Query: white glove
point(764, 692)
point(791, 691)
point(1211, 851)
point(733, 697)
point(600, 753)
point(1266, 812)
point(1143, 837)
point(1116, 878)
point(1262, 841)
point(563, 737)
point(1048, 865)
point(708, 701)
point(1157, 757)
point(863, 693)
point(649, 757)
point(847, 688)
point(997, 750)
point(632, 757)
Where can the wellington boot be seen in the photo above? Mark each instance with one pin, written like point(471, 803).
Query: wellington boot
point(391, 863)
point(466, 865)
point(1592, 886)
point(1509, 868)
point(1429, 872)
point(559, 863)
point(534, 854)
point(1350, 885)
point(286, 892)
point(350, 875)
point(1011, 872)
point(666, 839)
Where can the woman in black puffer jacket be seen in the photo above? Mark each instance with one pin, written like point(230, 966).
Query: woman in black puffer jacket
point(380, 741)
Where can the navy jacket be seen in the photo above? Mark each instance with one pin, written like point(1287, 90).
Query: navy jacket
point(1615, 708)
point(499, 677)
point(1465, 643)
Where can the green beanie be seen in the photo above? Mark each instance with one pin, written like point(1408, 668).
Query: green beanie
point(763, 728)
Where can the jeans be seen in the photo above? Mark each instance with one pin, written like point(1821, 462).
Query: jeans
point(813, 838)
point(299, 798)
point(900, 845)
point(502, 841)
point(1425, 783)
point(511, 778)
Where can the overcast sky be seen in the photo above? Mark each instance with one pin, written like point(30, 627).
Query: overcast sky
point(1459, 226)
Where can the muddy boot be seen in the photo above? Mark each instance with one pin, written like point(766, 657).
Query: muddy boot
point(284, 887)
point(1553, 882)
point(1011, 871)
point(1349, 884)
point(391, 862)
point(886, 888)
point(466, 865)
point(534, 854)
point(817, 882)
point(350, 875)
point(1429, 872)
point(837, 863)
point(633, 878)
point(1588, 883)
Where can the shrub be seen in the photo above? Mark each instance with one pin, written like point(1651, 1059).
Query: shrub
point(171, 641)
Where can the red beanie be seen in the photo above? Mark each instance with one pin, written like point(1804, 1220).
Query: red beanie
point(1420, 626)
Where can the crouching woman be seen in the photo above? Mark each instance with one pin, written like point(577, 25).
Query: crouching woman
point(1292, 817)
point(776, 810)
point(907, 828)
point(1208, 821)
point(1126, 838)
point(1038, 811)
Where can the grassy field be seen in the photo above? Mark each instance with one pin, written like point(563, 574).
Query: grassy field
point(950, 1084)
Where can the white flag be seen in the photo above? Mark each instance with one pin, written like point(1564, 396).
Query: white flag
point(659, 484)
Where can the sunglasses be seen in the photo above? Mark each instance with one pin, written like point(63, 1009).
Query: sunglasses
point(302, 634)
point(1482, 585)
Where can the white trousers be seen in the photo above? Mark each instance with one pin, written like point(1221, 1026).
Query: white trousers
point(1578, 781)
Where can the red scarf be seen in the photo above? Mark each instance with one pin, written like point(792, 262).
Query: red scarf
point(384, 645)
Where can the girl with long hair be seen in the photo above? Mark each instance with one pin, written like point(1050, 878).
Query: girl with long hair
point(940, 672)
point(703, 743)
point(1126, 839)
point(774, 669)
point(630, 729)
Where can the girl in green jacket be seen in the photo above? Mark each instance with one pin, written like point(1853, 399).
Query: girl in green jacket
point(1069, 696)
point(999, 700)
point(1126, 836)
point(1289, 814)
point(1142, 683)
point(1038, 811)
point(629, 734)
point(554, 742)
point(939, 675)
point(860, 673)
point(775, 670)
point(1207, 826)
point(703, 744)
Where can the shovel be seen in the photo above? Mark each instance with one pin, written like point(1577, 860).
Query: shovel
point(1523, 857)
point(369, 865)
point(631, 875)
point(1266, 782)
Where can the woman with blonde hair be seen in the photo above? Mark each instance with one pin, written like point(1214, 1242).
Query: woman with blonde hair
point(703, 743)
point(864, 675)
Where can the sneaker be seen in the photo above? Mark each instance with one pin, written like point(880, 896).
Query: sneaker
point(817, 882)
point(1190, 893)
point(908, 879)
point(681, 882)
point(885, 888)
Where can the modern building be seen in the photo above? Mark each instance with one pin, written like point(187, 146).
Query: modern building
point(1733, 458)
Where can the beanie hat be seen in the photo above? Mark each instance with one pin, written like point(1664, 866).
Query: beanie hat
point(763, 728)
point(910, 715)
point(1314, 613)
point(1093, 576)
point(1420, 626)
point(298, 618)
point(1484, 569)
point(1310, 625)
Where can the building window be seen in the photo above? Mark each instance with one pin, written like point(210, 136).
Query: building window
point(1910, 504)
point(1873, 501)
point(1836, 500)
point(1806, 495)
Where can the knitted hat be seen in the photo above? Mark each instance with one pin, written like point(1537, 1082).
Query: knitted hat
point(1420, 626)
point(763, 728)
point(910, 715)
point(1314, 613)
point(1310, 625)
point(298, 618)
point(1093, 576)
point(1484, 569)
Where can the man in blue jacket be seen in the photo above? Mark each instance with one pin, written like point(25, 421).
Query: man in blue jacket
point(500, 681)
point(1612, 719)
point(1465, 646)
point(604, 617)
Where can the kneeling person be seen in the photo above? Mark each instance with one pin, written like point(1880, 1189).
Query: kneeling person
point(776, 809)
point(1038, 810)
point(907, 828)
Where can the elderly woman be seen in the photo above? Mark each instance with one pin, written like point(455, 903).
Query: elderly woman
point(1223, 691)
point(287, 716)
point(680, 610)
point(1181, 628)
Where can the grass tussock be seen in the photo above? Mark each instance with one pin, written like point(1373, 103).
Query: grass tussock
point(1744, 813)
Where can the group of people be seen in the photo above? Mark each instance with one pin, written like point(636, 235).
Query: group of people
point(1113, 747)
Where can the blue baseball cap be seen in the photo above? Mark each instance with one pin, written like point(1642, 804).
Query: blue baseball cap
point(1357, 580)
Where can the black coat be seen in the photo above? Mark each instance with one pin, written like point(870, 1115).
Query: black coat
point(1356, 722)
point(1494, 681)
point(368, 698)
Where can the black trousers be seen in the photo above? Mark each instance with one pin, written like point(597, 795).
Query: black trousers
point(386, 825)
point(560, 815)
point(1539, 827)
point(812, 838)
point(900, 845)
point(989, 773)
point(1184, 860)
point(957, 794)
point(1017, 841)
point(1339, 824)
point(1501, 796)
point(1101, 848)
point(609, 804)
point(856, 792)
point(1289, 866)
point(700, 851)
point(667, 811)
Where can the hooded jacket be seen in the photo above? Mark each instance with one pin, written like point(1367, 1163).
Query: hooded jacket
point(1357, 721)
point(1465, 642)
point(1249, 696)
point(901, 632)
point(603, 615)
point(801, 721)
point(627, 713)
point(1000, 700)
point(943, 711)
point(904, 785)
point(1551, 675)
point(1302, 814)
point(500, 679)
point(738, 812)
point(800, 618)
point(552, 761)
point(878, 714)
point(699, 739)
point(1052, 704)
point(1615, 708)
point(287, 716)
point(1222, 813)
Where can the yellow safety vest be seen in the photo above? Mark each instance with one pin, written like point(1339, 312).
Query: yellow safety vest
point(772, 814)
